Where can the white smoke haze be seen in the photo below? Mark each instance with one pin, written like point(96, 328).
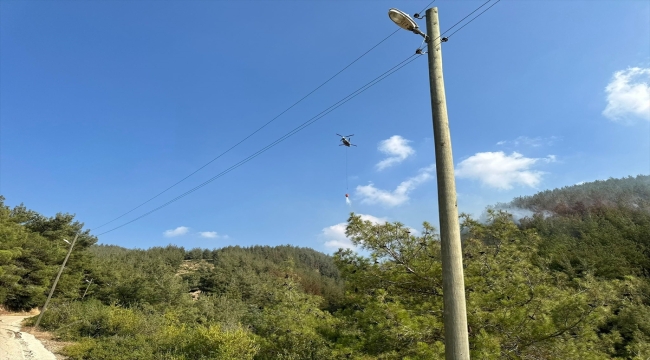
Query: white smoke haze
point(517, 213)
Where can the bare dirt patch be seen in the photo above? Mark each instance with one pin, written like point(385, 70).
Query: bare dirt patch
point(17, 342)
point(49, 341)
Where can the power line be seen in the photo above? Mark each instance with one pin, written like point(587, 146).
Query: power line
point(457, 22)
point(474, 18)
point(319, 116)
point(299, 128)
point(468, 15)
point(273, 119)
point(417, 14)
point(253, 133)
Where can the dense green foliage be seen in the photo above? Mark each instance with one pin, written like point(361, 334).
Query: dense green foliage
point(519, 306)
point(571, 281)
point(31, 251)
point(316, 273)
point(260, 301)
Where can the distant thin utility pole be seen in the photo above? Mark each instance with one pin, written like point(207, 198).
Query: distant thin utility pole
point(87, 287)
point(40, 316)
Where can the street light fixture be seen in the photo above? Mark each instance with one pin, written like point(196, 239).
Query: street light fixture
point(405, 21)
point(453, 282)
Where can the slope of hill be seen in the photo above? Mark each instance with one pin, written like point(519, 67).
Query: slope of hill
point(572, 281)
point(600, 227)
point(630, 192)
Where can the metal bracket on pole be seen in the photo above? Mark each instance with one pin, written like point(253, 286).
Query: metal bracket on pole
point(419, 32)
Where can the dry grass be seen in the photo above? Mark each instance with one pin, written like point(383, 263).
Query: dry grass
point(32, 312)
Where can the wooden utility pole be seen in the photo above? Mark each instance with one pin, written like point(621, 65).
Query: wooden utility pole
point(38, 321)
point(453, 283)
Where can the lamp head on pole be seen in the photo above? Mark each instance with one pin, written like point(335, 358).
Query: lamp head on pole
point(404, 21)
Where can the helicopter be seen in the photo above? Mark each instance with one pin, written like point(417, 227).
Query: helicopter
point(346, 140)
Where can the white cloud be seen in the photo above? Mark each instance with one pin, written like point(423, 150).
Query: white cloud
point(371, 195)
point(397, 149)
point(528, 141)
point(502, 171)
point(181, 230)
point(373, 219)
point(334, 235)
point(212, 235)
point(628, 95)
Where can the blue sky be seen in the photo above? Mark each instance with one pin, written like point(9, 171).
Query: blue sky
point(104, 104)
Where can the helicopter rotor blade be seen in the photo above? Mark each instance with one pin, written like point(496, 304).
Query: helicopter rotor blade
point(340, 135)
point(350, 135)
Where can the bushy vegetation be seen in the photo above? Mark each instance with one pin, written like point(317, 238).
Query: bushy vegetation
point(32, 248)
point(571, 281)
point(140, 307)
point(519, 304)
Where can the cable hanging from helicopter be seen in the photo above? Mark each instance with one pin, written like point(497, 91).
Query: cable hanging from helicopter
point(345, 141)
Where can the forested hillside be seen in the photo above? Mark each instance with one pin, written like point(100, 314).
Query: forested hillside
point(571, 281)
point(630, 192)
point(32, 248)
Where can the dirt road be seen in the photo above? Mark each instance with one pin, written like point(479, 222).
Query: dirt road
point(17, 345)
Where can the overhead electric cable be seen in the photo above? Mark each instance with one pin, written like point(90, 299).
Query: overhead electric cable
point(468, 15)
point(299, 128)
point(459, 21)
point(322, 114)
point(253, 133)
point(474, 18)
point(420, 12)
